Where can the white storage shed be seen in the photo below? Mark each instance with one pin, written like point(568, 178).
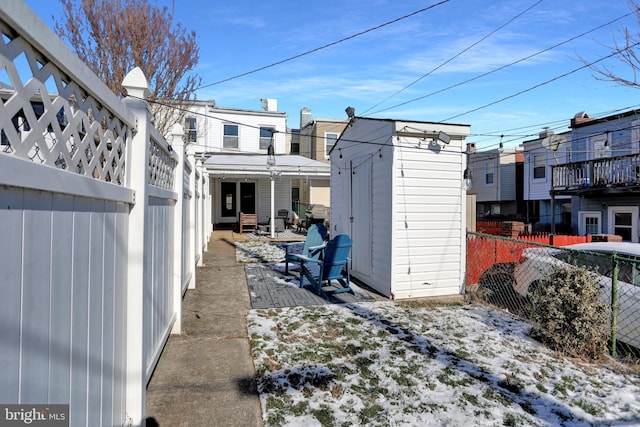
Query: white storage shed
point(397, 189)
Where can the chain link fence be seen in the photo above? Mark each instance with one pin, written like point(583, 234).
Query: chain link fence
point(506, 273)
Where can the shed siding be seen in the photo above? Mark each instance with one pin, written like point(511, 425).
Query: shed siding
point(417, 206)
point(364, 142)
point(429, 221)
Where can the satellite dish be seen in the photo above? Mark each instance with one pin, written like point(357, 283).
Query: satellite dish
point(552, 142)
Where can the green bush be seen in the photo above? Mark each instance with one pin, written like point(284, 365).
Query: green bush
point(566, 314)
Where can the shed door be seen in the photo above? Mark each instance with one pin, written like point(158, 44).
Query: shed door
point(361, 215)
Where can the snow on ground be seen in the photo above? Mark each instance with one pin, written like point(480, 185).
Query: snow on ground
point(258, 251)
point(411, 364)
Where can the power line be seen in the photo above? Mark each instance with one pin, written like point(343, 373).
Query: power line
point(377, 27)
point(546, 82)
point(384, 137)
point(499, 68)
point(553, 125)
point(454, 57)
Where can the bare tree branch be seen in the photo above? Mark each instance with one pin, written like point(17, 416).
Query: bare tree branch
point(114, 36)
point(627, 52)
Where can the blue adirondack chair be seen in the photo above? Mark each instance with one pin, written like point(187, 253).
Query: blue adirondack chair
point(334, 265)
point(311, 247)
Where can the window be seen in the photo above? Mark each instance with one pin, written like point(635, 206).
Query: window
point(266, 136)
point(190, 129)
point(230, 138)
point(590, 223)
point(623, 221)
point(295, 148)
point(539, 166)
point(568, 156)
point(599, 146)
point(488, 173)
point(330, 139)
point(635, 136)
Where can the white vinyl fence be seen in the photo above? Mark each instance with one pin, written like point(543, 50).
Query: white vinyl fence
point(102, 223)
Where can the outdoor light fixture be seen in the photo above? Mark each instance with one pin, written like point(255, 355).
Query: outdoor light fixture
point(501, 147)
point(443, 137)
point(467, 178)
point(351, 112)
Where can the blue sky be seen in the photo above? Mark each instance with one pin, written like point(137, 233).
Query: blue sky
point(241, 36)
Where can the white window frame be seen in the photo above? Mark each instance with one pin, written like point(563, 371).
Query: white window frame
point(568, 155)
point(226, 137)
point(327, 146)
point(489, 171)
point(539, 162)
point(191, 132)
point(582, 221)
point(633, 210)
point(598, 147)
point(263, 143)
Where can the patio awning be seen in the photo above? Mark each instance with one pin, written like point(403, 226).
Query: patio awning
point(255, 165)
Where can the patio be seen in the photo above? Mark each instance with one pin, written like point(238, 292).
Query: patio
point(269, 285)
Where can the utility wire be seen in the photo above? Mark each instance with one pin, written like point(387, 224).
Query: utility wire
point(353, 36)
point(384, 137)
point(499, 68)
point(546, 82)
point(453, 57)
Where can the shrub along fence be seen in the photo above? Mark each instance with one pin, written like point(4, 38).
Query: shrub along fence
point(521, 268)
point(101, 224)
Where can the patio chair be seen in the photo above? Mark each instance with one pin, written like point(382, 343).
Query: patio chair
point(278, 223)
point(284, 214)
point(311, 247)
point(334, 265)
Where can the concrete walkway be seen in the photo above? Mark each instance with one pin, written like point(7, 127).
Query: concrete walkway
point(205, 376)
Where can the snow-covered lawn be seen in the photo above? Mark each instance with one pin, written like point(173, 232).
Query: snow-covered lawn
point(413, 364)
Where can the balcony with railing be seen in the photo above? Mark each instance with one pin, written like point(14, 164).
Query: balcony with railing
point(597, 176)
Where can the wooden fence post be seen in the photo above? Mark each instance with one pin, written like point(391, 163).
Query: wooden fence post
point(137, 177)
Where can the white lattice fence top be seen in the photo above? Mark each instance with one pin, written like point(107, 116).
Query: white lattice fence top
point(162, 166)
point(47, 117)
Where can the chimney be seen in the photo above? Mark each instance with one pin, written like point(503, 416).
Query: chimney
point(471, 147)
point(305, 117)
point(269, 104)
point(579, 118)
point(545, 133)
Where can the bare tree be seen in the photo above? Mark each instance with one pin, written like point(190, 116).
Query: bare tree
point(627, 51)
point(114, 36)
